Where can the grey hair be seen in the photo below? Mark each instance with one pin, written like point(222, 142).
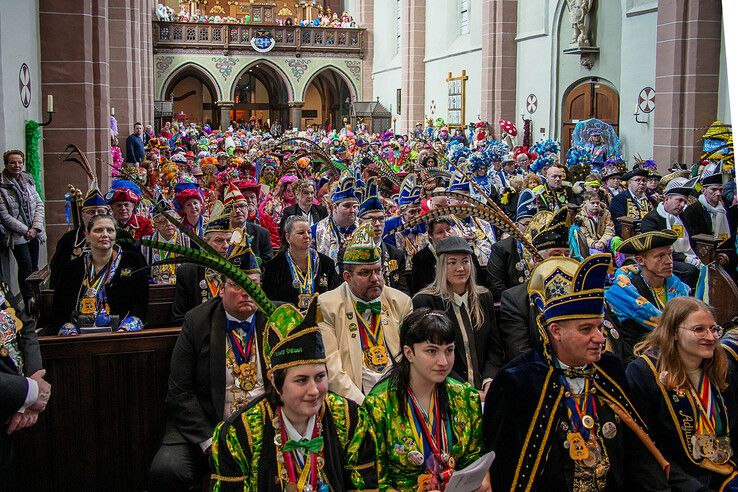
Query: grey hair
point(290, 222)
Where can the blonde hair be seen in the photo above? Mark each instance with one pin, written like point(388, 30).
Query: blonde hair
point(662, 344)
point(440, 287)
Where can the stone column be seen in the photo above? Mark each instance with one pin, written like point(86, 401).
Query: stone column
point(121, 67)
point(366, 20)
point(499, 60)
point(74, 57)
point(687, 77)
point(412, 49)
point(295, 114)
point(225, 108)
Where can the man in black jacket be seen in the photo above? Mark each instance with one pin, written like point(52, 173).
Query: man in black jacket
point(216, 370)
point(633, 201)
point(305, 206)
point(518, 329)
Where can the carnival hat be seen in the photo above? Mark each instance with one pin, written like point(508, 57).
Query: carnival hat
point(681, 186)
point(712, 175)
point(609, 171)
point(94, 199)
point(123, 190)
point(290, 340)
point(361, 248)
point(526, 205)
point(564, 289)
point(162, 204)
point(249, 185)
point(647, 240)
point(453, 244)
point(555, 233)
point(409, 191)
point(636, 171)
point(183, 192)
point(219, 223)
point(459, 182)
point(370, 199)
point(345, 189)
point(232, 195)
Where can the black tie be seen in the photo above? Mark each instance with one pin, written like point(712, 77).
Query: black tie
point(472, 349)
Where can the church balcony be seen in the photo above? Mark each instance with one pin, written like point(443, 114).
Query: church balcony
point(236, 38)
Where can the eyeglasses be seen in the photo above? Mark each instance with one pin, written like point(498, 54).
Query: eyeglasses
point(700, 331)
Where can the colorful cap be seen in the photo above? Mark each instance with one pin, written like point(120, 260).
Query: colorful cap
point(162, 204)
point(361, 248)
point(94, 199)
point(290, 340)
point(240, 253)
point(345, 189)
point(409, 191)
point(681, 186)
point(123, 190)
point(459, 183)
point(370, 199)
point(564, 289)
point(555, 232)
point(232, 195)
point(219, 223)
point(527, 206)
point(184, 192)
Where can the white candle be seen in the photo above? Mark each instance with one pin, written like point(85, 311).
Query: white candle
point(637, 109)
point(112, 111)
point(50, 103)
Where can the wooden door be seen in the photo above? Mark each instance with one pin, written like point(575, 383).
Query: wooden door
point(590, 99)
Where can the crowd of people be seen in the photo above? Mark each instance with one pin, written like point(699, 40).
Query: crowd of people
point(337, 293)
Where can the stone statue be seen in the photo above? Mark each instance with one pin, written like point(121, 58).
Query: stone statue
point(579, 16)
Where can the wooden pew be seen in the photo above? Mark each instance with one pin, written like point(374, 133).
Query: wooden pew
point(722, 290)
point(629, 227)
point(106, 416)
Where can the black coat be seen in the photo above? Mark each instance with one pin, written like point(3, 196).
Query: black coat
point(196, 394)
point(503, 266)
point(528, 433)
point(261, 243)
point(316, 212)
point(394, 267)
point(277, 279)
point(187, 292)
point(660, 408)
point(424, 271)
point(518, 327)
point(486, 337)
point(127, 291)
point(619, 208)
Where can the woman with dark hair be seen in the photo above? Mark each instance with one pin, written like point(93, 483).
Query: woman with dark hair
point(422, 423)
point(470, 308)
point(682, 385)
point(103, 282)
point(297, 436)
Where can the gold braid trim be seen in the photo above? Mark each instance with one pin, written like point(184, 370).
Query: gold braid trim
point(221, 478)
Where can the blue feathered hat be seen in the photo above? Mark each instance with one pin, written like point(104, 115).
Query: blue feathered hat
point(370, 202)
point(495, 150)
point(409, 191)
point(345, 189)
point(477, 160)
point(563, 288)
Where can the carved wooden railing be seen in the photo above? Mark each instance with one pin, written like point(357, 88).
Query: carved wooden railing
point(237, 37)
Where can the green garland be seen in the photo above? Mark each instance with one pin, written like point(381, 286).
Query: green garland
point(33, 159)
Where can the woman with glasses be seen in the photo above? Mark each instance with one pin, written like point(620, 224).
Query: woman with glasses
point(681, 385)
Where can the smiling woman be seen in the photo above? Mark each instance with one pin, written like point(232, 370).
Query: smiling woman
point(104, 288)
point(682, 380)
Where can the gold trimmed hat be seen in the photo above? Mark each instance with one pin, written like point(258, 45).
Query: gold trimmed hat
point(647, 240)
point(563, 288)
point(361, 248)
point(290, 340)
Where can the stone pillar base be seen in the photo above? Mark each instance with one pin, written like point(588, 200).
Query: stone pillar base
point(225, 108)
point(295, 113)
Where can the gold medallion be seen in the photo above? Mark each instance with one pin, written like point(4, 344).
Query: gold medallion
point(378, 355)
point(578, 450)
point(303, 301)
point(588, 422)
point(87, 305)
point(77, 251)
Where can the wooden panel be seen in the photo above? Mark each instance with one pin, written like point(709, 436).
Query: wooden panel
point(106, 417)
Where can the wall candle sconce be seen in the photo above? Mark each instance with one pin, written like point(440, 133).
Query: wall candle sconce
point(636, 113)
point(49, 110)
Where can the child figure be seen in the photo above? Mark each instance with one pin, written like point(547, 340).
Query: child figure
point(595, 223)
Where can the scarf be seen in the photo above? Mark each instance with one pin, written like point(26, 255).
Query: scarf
point(24, 198)
point(719, 216)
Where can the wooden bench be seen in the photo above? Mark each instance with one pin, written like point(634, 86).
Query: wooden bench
point(629, 227)
point(106, 416)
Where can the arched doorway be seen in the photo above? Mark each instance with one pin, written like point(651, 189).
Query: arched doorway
point(193, 97)
point(327, 99)
point(260, 96)
point(592, 98)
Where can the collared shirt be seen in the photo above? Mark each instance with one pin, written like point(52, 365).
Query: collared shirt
point(294, 435)
point(458, 301)
point(230, 388)
point(576, 385)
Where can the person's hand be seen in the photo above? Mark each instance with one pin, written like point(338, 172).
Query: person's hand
point(485, 388)
point(22, 420)
point(44, 391)
point(599, 245)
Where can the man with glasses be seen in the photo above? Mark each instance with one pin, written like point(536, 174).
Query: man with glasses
point(633, 202)
point(305, 206)
point(361, 320)
point(371, 211)
point(641, 290)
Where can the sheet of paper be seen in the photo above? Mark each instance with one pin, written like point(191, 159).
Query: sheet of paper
point(470, 478)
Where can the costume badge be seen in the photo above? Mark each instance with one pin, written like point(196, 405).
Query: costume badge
point(350, 316)
point(393, 265)
point(678, 229)
point(323, 282)
point(353, 327)
point(125, 272)
point(614, 334)
point(203, 284)
point(4, 351)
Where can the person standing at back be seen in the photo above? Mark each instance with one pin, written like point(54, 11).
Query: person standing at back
point(135, 152)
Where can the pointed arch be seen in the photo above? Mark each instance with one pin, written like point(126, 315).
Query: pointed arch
point(270, 67)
